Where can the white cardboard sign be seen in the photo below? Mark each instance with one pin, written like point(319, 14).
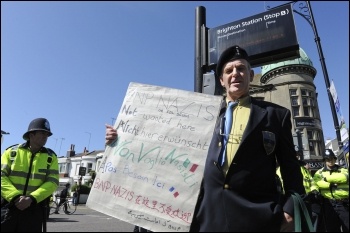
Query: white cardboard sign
point(151, 175)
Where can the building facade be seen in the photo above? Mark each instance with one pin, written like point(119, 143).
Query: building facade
point(70, 166)
point(291, 84)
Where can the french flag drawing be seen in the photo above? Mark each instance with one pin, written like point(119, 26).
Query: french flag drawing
point(175, 193)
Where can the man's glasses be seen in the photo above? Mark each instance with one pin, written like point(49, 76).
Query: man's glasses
point(222, 127)
point(233, 138)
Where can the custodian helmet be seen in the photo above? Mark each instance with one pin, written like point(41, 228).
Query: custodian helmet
point(38, 124)
point(328, 153)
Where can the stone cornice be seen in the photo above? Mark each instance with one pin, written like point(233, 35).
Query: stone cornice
point(288, 69)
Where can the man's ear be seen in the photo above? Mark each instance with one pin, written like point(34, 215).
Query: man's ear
point(251, 75)
point(222, 81)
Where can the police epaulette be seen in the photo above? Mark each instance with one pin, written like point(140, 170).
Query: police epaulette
point(15, 146)
point(51, 152)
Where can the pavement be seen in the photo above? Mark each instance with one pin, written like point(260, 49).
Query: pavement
point(86, 220)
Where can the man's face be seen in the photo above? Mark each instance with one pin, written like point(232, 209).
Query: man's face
point(39, 138)
point(236, 77)
point(330, 162)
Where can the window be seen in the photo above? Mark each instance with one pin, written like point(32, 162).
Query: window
point(312, 102)
point(294, 101)
point(89, 167)
point(77, 166)
point(295, 111)
point(314, 142)
point(293, 92)
point(308, 102)
point(62, 168)
point(305, 101)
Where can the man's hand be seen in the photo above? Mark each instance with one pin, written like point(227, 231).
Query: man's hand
point(287, 223)
point(316, 195)
point(23, 202)
point(111, 134)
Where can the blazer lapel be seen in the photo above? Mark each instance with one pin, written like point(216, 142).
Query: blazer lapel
point(256, 115)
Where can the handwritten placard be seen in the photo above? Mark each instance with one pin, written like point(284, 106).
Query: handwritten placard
point(150, 176)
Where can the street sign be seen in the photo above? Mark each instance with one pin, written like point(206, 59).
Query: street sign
point(268, 37)
point(82, 171)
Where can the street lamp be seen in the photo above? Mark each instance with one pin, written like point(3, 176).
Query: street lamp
point(60, 146)
point(310, 19)
point(3, 132)
point(55, 143)
point(89, 140)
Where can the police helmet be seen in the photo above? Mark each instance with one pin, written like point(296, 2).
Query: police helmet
point(38, 124)
point(328, 153)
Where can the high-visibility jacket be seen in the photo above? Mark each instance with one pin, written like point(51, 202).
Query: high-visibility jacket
point(17, 161)
point(308, 181)
point(338, 175)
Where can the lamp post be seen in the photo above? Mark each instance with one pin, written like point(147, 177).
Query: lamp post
point(55, 143)
point(60, 146)
point(2, 133)
point(89, 140)
point(308, 15)
point(300, 145)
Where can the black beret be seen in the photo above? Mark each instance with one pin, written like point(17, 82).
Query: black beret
point(230, 54)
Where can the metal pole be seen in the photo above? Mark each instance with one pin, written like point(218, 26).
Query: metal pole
point(3, 132)
point(326, 79)
point(55, 143)
point(79, 189)
point(311, 21)
point(198, 71)
point(300, 145)
point(89, 140)
point(60, 146)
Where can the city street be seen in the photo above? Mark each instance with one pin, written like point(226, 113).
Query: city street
point(86, 220)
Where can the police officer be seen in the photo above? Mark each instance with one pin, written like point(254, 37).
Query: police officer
point(333, 183)
point(29, 175)
point(308, 181)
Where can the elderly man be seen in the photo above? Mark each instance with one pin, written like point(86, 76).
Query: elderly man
point(239, 190)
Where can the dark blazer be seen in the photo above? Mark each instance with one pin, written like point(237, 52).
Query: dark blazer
point(247, 199)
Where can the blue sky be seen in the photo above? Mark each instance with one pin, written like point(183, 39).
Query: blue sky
point(72, 62)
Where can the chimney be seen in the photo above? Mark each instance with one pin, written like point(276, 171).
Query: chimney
point(71, 152)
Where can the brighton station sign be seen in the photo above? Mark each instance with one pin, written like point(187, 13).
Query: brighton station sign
point(268, 37)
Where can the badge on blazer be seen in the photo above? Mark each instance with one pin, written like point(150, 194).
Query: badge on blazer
point(269, 141)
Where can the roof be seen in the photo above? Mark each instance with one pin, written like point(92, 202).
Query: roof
point(303, 60)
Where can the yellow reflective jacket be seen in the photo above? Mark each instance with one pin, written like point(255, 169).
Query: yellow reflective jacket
point(308, 181)
point(338, 175)
point(15, 165)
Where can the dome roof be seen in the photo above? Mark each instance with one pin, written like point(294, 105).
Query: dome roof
point(303, 60)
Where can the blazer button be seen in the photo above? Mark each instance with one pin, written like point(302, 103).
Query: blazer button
point(226, 186)
point(219, 144)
